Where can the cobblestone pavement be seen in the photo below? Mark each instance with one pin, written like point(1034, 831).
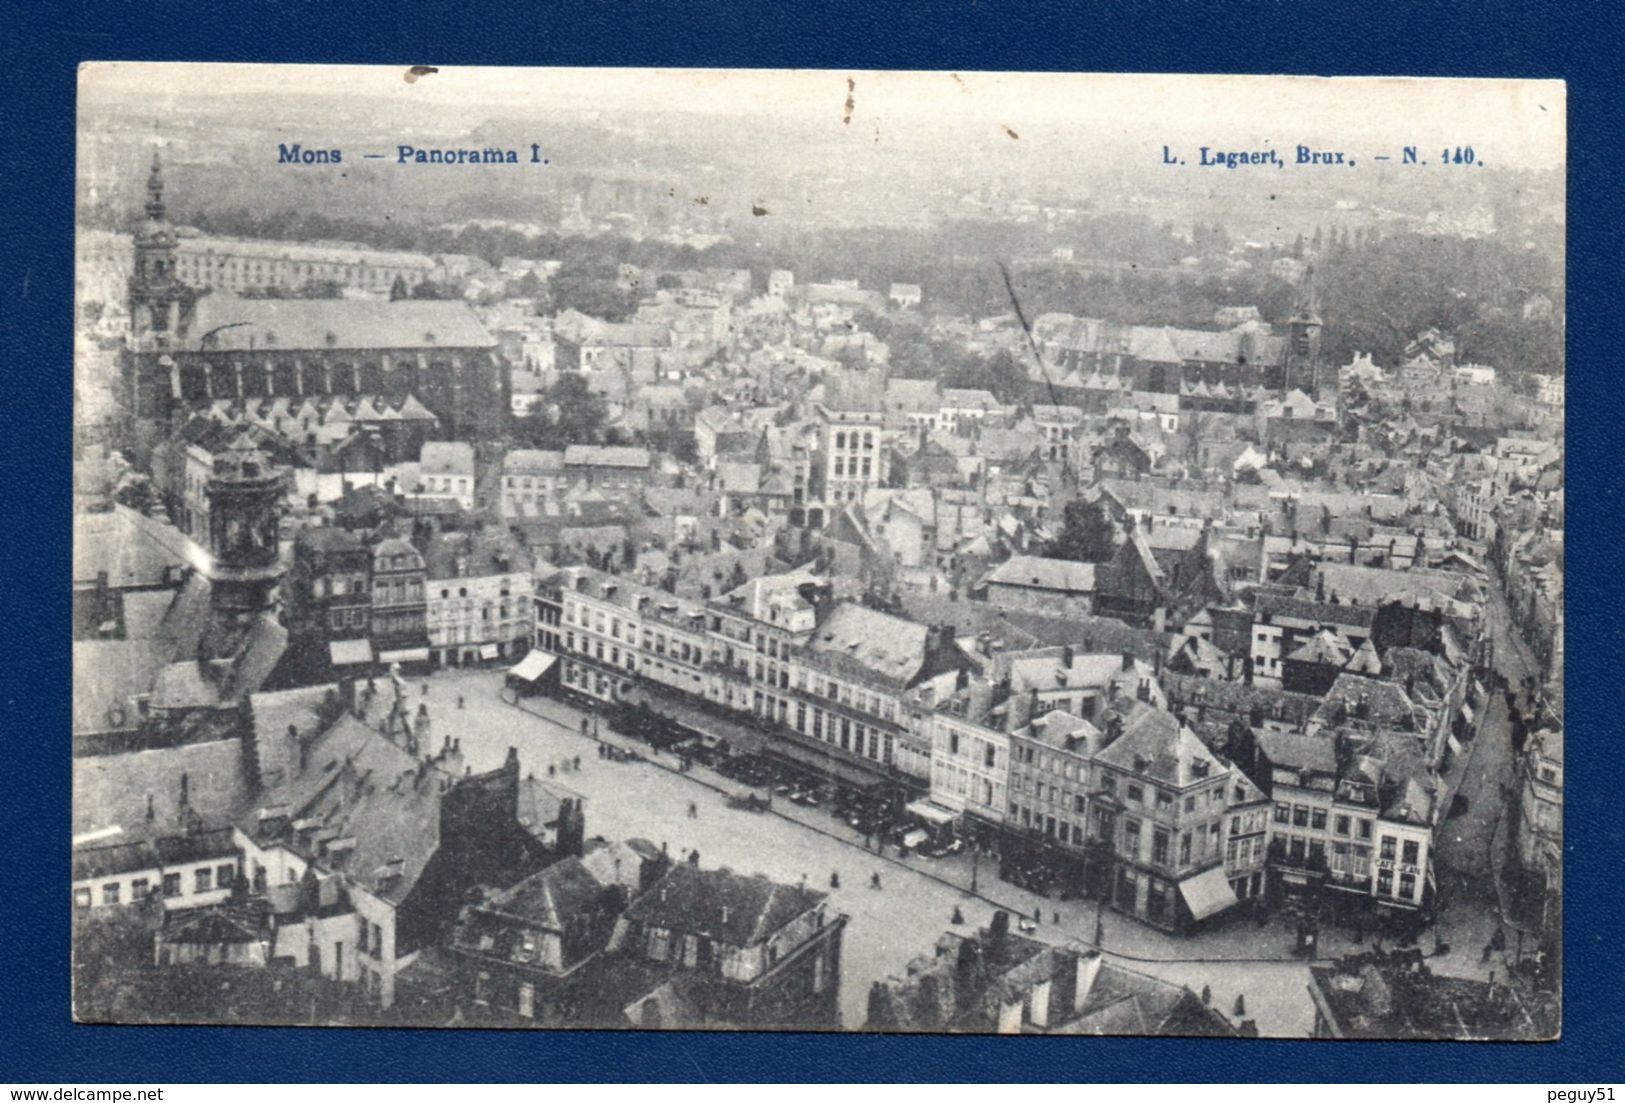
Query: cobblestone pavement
point(918, 896)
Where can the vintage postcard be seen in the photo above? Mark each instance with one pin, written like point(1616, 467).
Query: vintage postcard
point(830, 551)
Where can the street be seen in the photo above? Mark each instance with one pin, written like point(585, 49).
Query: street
point(1467, 856)
point(888, 926)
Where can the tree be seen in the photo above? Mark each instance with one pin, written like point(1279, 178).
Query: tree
point(597, 296)
point(434, 289)
point(568, 413)
point(1088, 534)
point(137, 494)
point(529, 285)
point(1006, 378)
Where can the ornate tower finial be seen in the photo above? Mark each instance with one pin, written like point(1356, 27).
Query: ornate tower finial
point(155, 190)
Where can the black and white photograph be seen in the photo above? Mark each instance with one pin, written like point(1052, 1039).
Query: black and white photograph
point(818, 550)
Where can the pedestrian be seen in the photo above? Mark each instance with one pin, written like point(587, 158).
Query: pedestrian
point(959, 917)
point(1038, 914)
point(425, 689)
point(693, 810)
point(575, 763)
point(834, 880)
point(460, 700)
point(1056, 918)
point(550, 770)
point(874, 880)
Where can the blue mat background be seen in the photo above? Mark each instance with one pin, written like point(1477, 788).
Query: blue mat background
point(41, 48)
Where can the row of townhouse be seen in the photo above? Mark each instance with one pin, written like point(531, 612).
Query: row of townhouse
point(1125, 802)
point(1088, 777)
point(1350, 817)
point(460, 598)
point(364, 846)
point(831, 683)
point(1053, 752)
point(189, 867)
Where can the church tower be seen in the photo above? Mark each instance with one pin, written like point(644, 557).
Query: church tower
point(1303, 368)
point(156, 294)
point(245, 493)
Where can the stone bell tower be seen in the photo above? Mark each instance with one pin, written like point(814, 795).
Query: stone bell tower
point(157, 295)
point(1303, 367)
point(245, 494)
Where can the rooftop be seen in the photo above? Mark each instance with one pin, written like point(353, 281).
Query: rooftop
point(1396, 996)
point(1064, 575)
point(871, 642)
point(226, 323)
point(722, 905)
point(1155, 744)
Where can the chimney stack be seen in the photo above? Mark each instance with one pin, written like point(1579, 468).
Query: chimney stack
point(1088, 970)
point(980, 698)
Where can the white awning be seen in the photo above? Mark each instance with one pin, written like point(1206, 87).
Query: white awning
point(488, 650)
point(931, 813)
point(1208, 893)
point(405, 655)
point(349, 652)
point(532, 666)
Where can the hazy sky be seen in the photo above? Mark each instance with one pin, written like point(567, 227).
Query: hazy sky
point(1513, 122)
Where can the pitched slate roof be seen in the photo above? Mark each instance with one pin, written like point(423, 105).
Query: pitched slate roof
point(1292, 751)
point(592, 455)
point(1121, 1001)
point(550, 899)
point(722, 905)
point(446, 457)
point(533, 461)
point(1155, 744)
point(132, 548)
point(215, 926)
point(358, 784)
point(1047, 574)
point(1386, 704)
point(869, 643)
point(226, 323)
